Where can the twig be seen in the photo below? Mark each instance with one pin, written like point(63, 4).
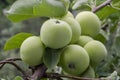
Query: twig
point(56, 76)
point(13, 59)
point(95, 9)
point(10, 59)
point(18, 68)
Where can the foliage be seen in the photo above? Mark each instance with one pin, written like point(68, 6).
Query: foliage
point(109, 13)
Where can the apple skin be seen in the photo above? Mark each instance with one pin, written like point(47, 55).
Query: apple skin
point(84, 40)
point(97, 52)
point(76, 29)
point(55, 33)
point(69, 14)
point(32, 50)
point(74, 59)
point(89, 73)
point(89, 22)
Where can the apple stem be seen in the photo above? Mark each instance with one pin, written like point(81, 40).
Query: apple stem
point(57, 22)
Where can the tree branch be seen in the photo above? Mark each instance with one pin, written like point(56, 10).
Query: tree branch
point(10, 59)
point(39, 72)
point(95, 9)
point(18, 68)
point(56, 76)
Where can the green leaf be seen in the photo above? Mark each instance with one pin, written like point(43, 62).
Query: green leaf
point(51, 57)
point(102, 36)
point(51, 8)
point(117, 44)
point(18, 78)
point(106, 12)
point(21, 10)
point(16, 41)
point(113, 76)
point(78, 3)
point(25, 9)
point(116, 4)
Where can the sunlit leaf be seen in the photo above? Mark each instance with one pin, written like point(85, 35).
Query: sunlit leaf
point(51, 8)
point(26, 9)
point(106, 12)
point(18, 78)
point(21, 10)
point(16, 41)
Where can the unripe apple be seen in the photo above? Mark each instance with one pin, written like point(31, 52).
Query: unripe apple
point(89, 22)
point(69, 14)
point(74, 59)
point(89, 73)
point(97, 52)
point(76, 29)
point(84, 40)
point(55, 33)
point(32, 50)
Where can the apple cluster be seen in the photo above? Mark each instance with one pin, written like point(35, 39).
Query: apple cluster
point(80, 52)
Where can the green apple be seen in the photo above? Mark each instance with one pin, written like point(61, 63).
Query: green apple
point(89, 73)
point(69, 14)
point(76, 29)
point(55, 33)
point(74, 59)
point(32, 50)
point(89, 22)
point(84, 40)
point(97, 52)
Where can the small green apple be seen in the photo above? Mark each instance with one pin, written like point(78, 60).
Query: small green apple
point(76, 29)
point(74, 59)
point(84, 40)
point(89, 73)
point(32, 50)
point(55, 33)
point(97, 52)
point(69, 14)
point(89, 22)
